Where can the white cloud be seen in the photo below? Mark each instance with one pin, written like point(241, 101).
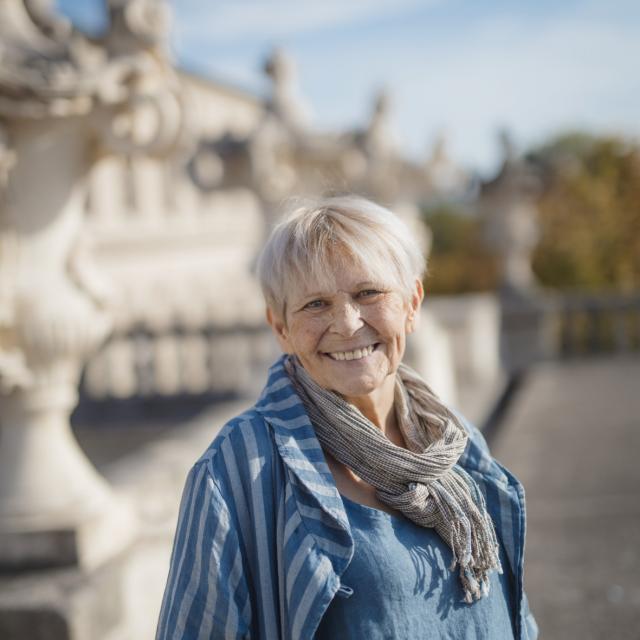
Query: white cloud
point(233, 20)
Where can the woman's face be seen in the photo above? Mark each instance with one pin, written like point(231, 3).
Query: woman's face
point(351, 337)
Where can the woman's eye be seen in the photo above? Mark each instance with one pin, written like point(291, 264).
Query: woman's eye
point(368, 293)
point(314, 304)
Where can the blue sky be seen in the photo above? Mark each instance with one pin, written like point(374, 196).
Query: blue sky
point(458, 67)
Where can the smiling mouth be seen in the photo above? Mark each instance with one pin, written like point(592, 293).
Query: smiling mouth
point(356, 354)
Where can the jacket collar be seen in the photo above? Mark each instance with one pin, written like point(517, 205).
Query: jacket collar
point(297, 444)
point(477, 457)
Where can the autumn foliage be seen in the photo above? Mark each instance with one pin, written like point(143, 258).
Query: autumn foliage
point(589, 215)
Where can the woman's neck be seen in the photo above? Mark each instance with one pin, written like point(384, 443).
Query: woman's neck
point(379, 408)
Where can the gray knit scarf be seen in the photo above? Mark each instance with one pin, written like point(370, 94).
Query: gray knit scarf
point(423, 482)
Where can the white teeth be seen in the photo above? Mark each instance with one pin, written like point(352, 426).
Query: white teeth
point(356, 354)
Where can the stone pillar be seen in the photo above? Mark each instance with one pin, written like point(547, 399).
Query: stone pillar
point(508, 206)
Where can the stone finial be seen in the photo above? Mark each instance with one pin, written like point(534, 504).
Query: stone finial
point(285, 101)
point(378, 137)
point(507, 146)
point(138, 23)
point(444, 176)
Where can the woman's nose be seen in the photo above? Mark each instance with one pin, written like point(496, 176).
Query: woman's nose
point(346, 318)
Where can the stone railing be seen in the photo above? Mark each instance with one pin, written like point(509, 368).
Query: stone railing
point(179, 361)
point(587, 324)
point(558, 325)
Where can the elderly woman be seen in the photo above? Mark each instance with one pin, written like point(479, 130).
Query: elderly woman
point(349, 502)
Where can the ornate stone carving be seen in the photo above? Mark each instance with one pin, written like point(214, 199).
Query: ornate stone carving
point(60, 93)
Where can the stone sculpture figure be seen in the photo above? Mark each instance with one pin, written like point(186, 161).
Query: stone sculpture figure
point(285, 101)
point(61, 95)
point(508, 206)
point(511, 224)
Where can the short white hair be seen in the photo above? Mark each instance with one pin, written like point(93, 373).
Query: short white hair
point(304, 246)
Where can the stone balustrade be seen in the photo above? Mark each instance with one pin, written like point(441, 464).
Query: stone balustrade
point(179, 361)
point(587, 324)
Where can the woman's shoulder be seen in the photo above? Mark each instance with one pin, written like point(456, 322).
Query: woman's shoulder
point(249, 445)
point(478, 460)
point(236, 466)
point(246, 435)
point(476, 437)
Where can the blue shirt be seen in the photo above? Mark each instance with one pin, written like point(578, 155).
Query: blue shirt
point(263, 538)
point(398, 586)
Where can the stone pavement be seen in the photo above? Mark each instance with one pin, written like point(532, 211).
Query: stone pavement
point(572, 436)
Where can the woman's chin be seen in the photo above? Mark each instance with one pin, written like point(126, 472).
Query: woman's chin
point(358, 384)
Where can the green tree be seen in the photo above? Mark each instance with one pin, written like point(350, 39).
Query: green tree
point(589, 213)
point(458, 262)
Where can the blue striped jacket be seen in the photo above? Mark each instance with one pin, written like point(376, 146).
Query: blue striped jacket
point(263, 538)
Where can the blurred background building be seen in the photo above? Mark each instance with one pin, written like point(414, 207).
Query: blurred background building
point(135, 193)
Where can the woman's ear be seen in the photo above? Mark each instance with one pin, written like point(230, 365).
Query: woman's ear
point(414, 306)
point(279, 328)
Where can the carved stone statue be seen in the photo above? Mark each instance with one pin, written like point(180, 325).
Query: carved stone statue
point(511, 224)
point(444, 176)
point(61, 95)
point(285, 101)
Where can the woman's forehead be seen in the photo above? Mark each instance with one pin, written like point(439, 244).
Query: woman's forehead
point(347, 275)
